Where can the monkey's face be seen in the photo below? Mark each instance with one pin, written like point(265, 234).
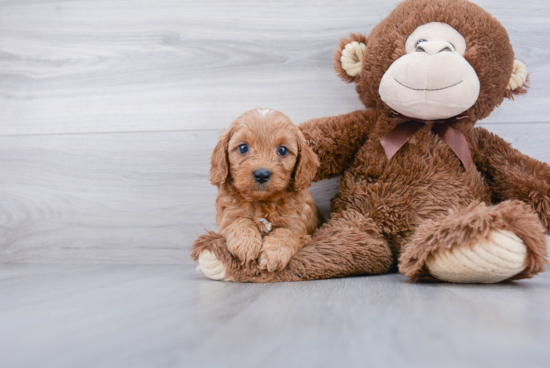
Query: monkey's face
point(432, 60)
point(432, 80)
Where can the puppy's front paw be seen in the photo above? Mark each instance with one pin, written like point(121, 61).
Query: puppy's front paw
point(275, 255)
point(246, 245)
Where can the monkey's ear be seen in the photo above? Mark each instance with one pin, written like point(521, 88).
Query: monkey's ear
point(518, 80)
point(219, 169)
point(348, 58)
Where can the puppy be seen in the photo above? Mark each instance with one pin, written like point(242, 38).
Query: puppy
point(263, 169)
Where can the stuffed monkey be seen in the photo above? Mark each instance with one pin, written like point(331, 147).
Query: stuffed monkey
point(422, 188)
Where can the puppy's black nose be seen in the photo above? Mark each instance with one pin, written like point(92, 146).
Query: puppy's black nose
point(262, 175)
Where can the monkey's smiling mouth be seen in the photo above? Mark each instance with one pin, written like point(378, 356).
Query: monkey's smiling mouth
point(427, 89)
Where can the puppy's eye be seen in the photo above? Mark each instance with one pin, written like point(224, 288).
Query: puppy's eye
point(420, 41)
point(282, 151)
point(243, 148)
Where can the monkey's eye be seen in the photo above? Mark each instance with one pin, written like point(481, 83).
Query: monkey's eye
point(243, 148)
point(420, 41)
point(282, 151)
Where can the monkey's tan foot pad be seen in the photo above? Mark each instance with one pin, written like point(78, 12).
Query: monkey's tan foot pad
point(211, 267)
point(496, 259)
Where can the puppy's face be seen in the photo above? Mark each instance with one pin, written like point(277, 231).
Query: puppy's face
point(264, 152)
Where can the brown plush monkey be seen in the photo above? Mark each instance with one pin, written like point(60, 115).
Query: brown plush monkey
point(420, 185)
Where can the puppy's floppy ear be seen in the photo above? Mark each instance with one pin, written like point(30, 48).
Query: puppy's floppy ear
point(518, 80)
point(219, 169)
point(306, 164)
point(348, 58)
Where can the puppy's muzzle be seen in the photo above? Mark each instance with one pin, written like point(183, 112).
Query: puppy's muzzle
point(261, 176)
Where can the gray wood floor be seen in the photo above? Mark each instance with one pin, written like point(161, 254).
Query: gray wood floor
point(109, 111)
point(168, 315)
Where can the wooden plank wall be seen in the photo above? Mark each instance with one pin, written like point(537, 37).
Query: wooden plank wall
point(109, 110)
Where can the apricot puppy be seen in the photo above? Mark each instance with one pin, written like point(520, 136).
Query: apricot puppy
point(263, 169)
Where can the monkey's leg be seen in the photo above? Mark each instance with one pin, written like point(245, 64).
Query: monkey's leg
point(477, 244)
point(348, 244)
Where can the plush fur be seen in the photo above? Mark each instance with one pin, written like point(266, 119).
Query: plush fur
point(267, 221)
point(467, 226)
point(422, 199)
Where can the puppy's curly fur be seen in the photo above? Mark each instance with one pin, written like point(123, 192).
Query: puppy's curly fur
point(270, 220)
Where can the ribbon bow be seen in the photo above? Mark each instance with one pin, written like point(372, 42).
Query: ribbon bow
point(454, 138)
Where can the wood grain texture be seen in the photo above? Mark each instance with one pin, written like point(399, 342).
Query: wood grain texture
point(113, 66)
point(110, 109)
point(169, 316)
point(118, 198)
point(129, 197)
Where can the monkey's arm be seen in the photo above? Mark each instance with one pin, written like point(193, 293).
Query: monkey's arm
point(513, 175)
point(336, 139)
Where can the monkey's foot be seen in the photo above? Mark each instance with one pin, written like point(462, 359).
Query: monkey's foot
point(212, 267)
point(499, 257)
point(477, 244)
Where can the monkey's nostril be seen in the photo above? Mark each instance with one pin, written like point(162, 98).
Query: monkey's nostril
point(261, 175)
point(446, 48)
point(420, 49)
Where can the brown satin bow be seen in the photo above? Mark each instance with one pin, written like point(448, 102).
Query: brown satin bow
point(454, 138)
